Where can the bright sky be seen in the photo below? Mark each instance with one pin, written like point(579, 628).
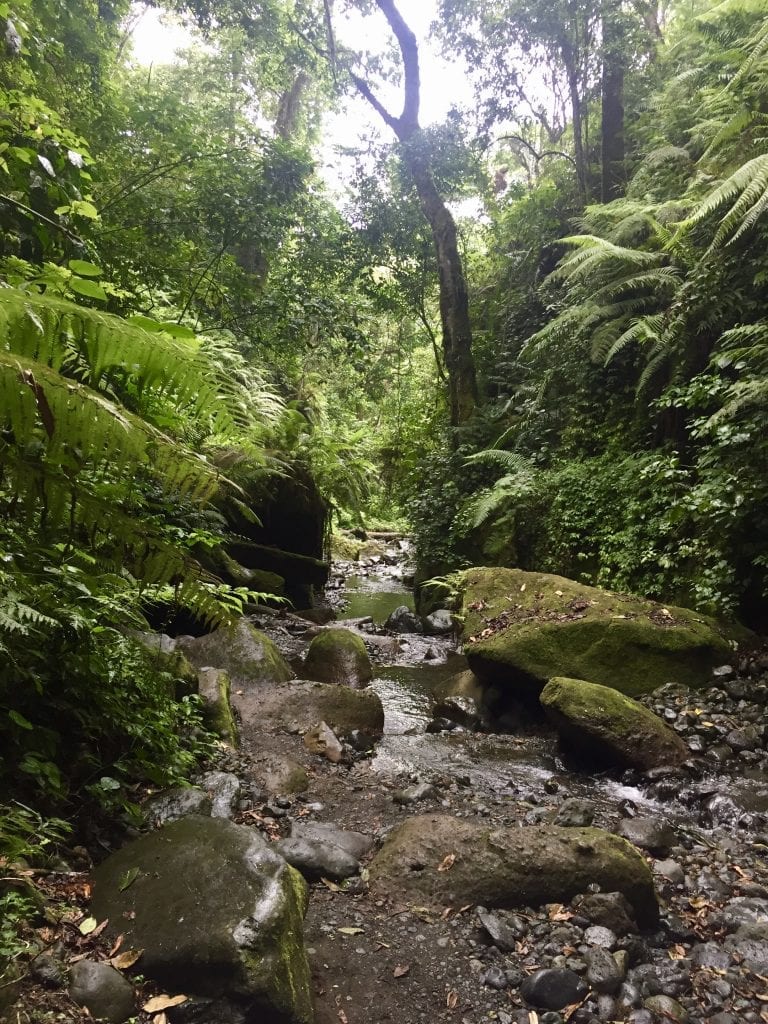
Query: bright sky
point(156, 40)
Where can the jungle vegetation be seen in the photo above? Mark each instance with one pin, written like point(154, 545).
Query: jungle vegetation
point(572, 376)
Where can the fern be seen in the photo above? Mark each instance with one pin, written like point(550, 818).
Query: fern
point(510, 461)
point(748, 186)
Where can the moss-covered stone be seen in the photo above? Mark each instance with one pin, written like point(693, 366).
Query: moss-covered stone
point(512, 867)
point(248, 655)
point(524, 628)
point(217, 913)
point(605, 724)
point(345, 548)
point(215, 689)
point(339, 656)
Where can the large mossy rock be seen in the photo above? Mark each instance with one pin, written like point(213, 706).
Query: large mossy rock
point(218, 915)
point(339, 656)
point(605, 725)
point(512, 867)
point(246, 654)
point(524, 628)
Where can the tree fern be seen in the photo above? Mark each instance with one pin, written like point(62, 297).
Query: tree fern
point(747, 190)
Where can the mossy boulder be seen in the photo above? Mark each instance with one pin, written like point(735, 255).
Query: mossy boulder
point(523, 628)
point(345, 547)
point(215, 689)
point(218, 915)
point(511, 867)
point(164, 656)
point(246, 654)
point(339, 656)
point(604, 724)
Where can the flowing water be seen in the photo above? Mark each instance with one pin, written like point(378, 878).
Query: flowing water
point(523, 765)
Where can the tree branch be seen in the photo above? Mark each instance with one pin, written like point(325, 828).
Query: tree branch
point(365, 90)
point(34, 215)
point(406, 40)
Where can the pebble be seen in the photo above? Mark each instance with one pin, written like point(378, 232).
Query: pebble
point(553, 989)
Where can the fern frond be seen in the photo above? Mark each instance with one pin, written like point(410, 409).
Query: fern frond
point(748, 186)
point(510, 461)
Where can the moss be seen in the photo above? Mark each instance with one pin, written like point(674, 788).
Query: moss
point(602, 721)
point(215, 688)
point(248, 655)
point(543, 626)
point(339, 656)
point(345, 548)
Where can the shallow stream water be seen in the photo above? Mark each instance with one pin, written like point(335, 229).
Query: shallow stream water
point(524, 766)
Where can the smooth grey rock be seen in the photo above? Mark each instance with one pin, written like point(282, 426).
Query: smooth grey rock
point(575, 813)
point(317, 859)
point(218, 913)
point(670, 870)
point(224, 789)
point(710, 954)
point(439, 623)
point(249, 657)
point(553, 988)
point(667, 1008)
point(178, 802)
point(414, 794)
point(403, 620)
point(603, 972)
point(103, 991)
point(648, 833)
point(743, 910)
point(357, 844)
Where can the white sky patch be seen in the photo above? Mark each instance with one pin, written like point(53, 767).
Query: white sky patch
point(157, 37)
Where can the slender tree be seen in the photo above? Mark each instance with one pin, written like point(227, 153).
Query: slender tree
point(454, 301)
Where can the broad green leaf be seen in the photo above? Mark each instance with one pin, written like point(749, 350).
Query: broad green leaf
point(85, 269)
point(91, 289)
point(20, 720)
point(129, 878)
point(85, 209)
point(146, 322)
point(88, 925)
point(177, 330)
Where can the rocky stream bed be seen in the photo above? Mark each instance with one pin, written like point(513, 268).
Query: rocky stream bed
point(472, 809)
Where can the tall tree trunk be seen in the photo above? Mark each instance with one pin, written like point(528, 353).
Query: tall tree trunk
point(613, 154)
point(577, 119)
point(454, 299)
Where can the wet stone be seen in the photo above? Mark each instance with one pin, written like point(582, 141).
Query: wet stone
point(575, 813)
point(415, 794)
point(667, 1008)
point(670, 870)
point(648, 833)
point(553, 988)
point(316, 859)
point(103, 991)
point(494, 977)
point(502, 935)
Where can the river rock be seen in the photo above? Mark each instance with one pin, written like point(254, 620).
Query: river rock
point(357, 844)
point(415, 794)
point(177, 802)
point(316, 858)
point(544, 626)
point(650, 834)
point(605, 724)
point(439, 623)
point(284, 776)
point(300, 705)
point(218, 914)
point(403, 620)
point(575, 813)
point(215, 689)
point(603, 972)
point(324, 742)
point(247, 655)
point(553, 988)
point(339, 656)
point(503, 936)
point(224, 790)
point(103, 991)
point(612, 910)
point(667, 1009)
point(510, 867)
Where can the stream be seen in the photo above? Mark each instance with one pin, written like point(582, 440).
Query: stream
point(527, 764)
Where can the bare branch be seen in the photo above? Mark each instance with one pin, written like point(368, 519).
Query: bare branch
point(365, 90)
point(406, 40)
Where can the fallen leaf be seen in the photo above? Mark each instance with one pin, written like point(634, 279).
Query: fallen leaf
point(343, 1017)
point(99, 929)
point(129, 878)
point(351, 931)
point(330, 885)
point(447, 862)
point(158, 1003)
point(90, 924)
point(452, 1000)
point(117, 945)
point(161, 1018)
point(126, 959)
point(401, 970)
point(533, 1017)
